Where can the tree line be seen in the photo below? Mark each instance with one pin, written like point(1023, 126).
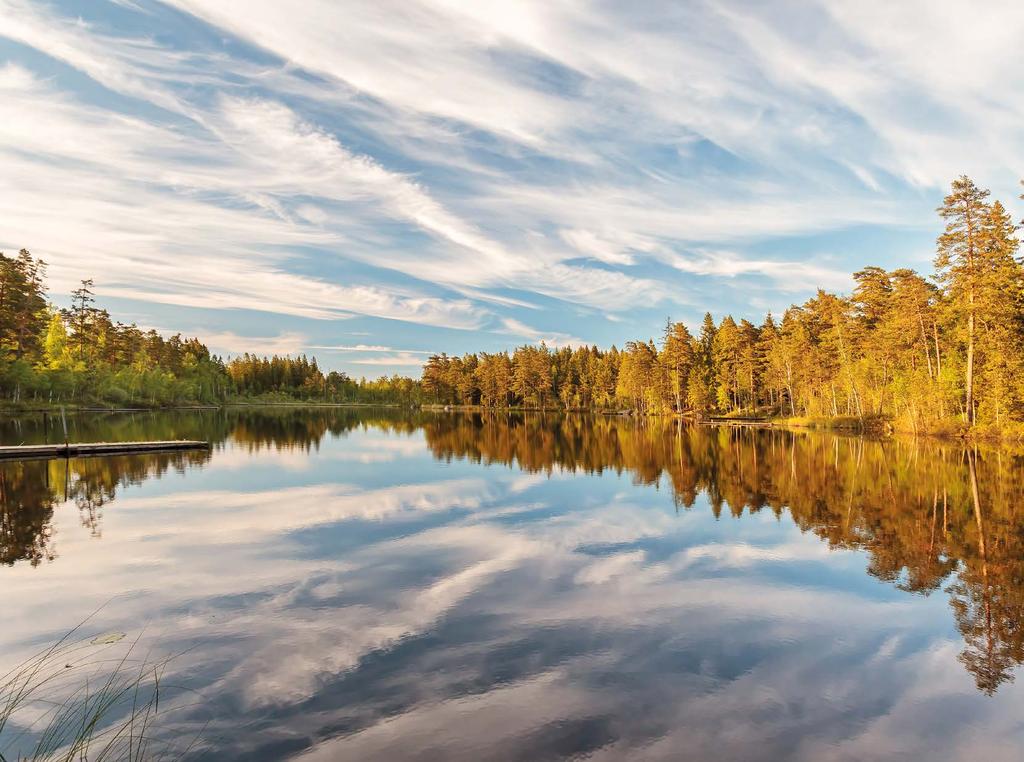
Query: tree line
point(936, 352)
point(80, 354)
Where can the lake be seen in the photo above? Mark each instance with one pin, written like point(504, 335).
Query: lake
point(374, 584)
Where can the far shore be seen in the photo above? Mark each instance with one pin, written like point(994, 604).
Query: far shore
point(77, 407)
point(875, 427)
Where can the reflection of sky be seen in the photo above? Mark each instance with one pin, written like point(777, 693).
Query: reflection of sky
point(367, 601)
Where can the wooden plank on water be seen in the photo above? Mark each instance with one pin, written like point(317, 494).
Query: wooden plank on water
point(78, 449)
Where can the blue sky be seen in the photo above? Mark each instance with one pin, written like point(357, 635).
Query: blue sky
point(373, 181)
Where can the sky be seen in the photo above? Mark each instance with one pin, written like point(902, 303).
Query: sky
point(372, 182)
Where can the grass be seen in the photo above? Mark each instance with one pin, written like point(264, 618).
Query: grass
point(86, 700)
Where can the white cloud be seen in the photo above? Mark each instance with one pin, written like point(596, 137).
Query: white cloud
point(403, 359)
point(230, 343)
point(367, 348)
point(137, 216)
point(785, 275)
point(553, 339)
point(561, 149)
point(369, 46)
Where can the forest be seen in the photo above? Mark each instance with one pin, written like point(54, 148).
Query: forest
point(939, 353)
point(936, 353)
point(80, 355)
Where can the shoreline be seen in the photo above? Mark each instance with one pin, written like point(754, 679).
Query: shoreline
point(55, 408)
point(874, 427)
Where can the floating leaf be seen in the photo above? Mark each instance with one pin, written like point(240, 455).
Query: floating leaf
point(107, 638)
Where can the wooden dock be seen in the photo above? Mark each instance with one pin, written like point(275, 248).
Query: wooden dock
point(86, 449)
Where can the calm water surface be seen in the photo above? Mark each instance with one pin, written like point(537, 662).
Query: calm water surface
point(342, 584)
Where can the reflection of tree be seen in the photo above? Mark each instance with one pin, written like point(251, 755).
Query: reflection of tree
point(929, 516)
point(26, 511)
point(92, 483)
point(257, 428)
point(925, 513)
point(30, 490)
point(988, 596)
point(285, 429)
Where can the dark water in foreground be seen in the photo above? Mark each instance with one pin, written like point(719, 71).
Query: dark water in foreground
point(347, 584)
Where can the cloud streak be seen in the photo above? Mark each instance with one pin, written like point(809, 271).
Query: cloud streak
point(471, 167)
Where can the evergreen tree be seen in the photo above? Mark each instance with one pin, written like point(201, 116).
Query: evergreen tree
point(677, 357)
point(957, 266)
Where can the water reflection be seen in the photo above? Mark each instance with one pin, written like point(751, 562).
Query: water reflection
point(256, 427)
point(31, 489)
point(928, 514)
point(358, 600)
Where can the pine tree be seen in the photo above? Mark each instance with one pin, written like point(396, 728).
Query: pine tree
point(957, 268)
point(677, 357)
point(701, 387)
point(999, 298)
point(81, 317)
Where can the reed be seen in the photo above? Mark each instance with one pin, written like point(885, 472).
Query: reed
point(91, 700)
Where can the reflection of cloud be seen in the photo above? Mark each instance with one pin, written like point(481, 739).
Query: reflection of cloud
point(520, 611)
point(605, 569)
point(524, 482)
point(269, 677)
point(239, 457)
point(740, 554)
point(348, 456)
point(307, 506)
point(370, 449)
point(503, 716)
point(404, 446)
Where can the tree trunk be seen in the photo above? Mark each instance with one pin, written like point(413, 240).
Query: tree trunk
point(969, 408)
point(924, 339)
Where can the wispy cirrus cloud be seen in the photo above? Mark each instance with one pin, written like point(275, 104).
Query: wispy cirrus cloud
point(397, 359)
point(150, 195)
point(367, 348)
point(230, 343)
point(457, 166)
point(783, 275)
point(553, 339)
